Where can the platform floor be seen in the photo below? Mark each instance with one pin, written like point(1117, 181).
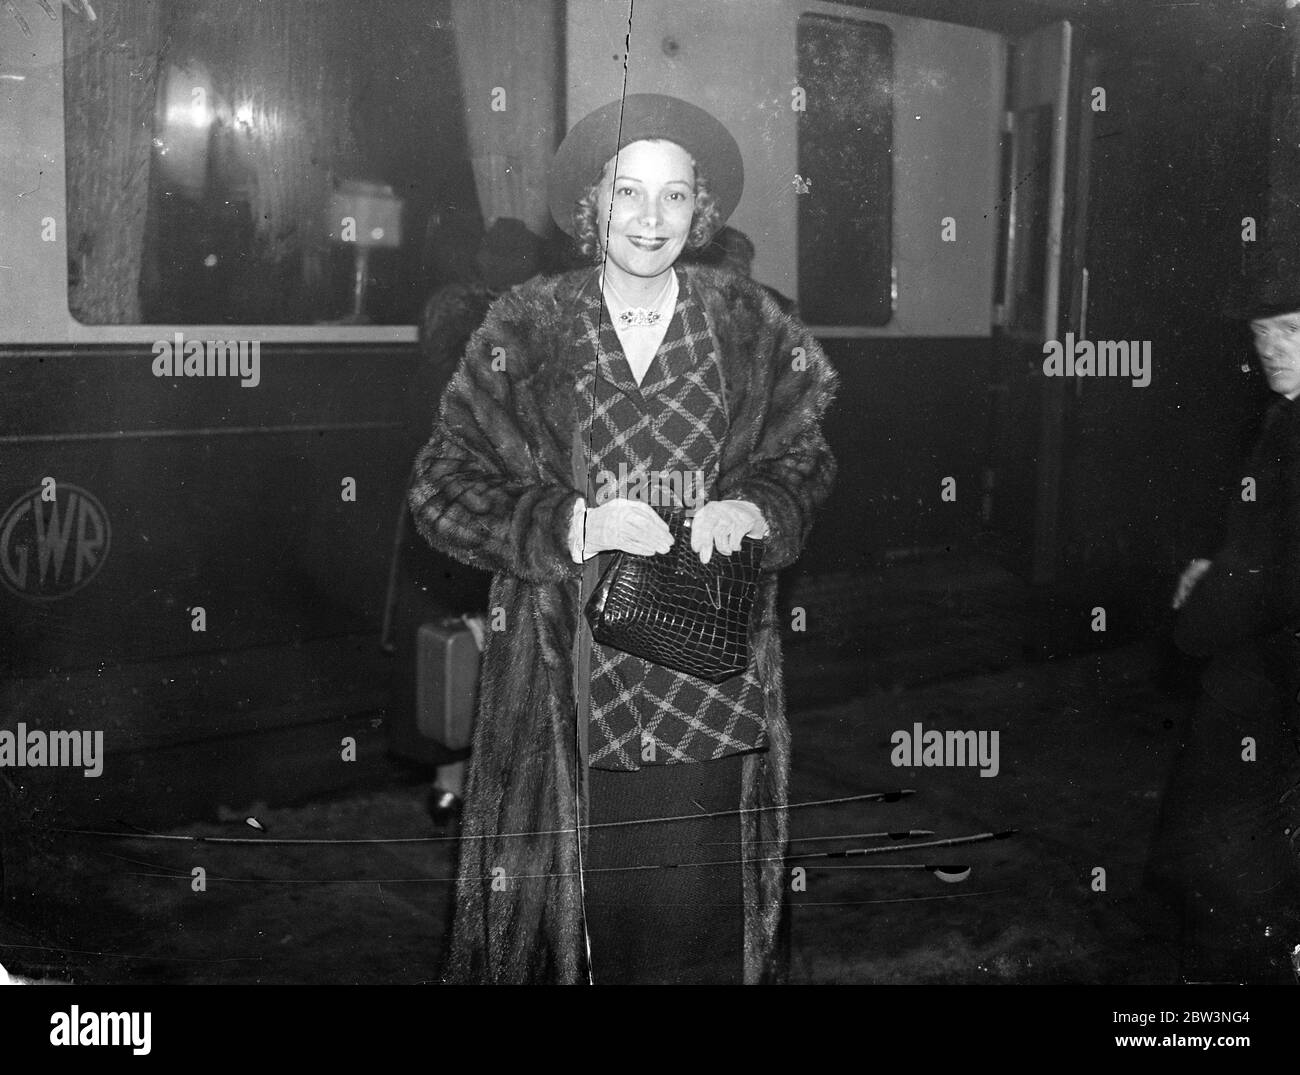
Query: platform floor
point(1084, 747)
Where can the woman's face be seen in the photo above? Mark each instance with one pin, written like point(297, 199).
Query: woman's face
point(648, 204)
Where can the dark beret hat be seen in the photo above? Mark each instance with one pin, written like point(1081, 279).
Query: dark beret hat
point(598, 136)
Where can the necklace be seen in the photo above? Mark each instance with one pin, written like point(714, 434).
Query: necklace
point(639, 316)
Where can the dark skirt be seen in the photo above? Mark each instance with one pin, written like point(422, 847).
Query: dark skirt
point(682, 925)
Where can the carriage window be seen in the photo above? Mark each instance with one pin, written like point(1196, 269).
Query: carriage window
point(844, 174)
point(233, 161)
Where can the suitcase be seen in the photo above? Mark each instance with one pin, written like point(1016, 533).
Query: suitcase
point(435, 665)
point(446, 681)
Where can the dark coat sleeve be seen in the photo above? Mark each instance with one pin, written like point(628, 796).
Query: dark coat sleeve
point(477, 494)
point(791, 470)
point(1227, 607)
point(1286, 608)
point(1253, 586)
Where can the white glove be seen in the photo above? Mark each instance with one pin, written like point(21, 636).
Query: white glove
point(623, 524)
point(722, 524)
point(1187, 581)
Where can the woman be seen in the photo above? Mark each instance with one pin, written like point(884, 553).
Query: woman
point(636, 368)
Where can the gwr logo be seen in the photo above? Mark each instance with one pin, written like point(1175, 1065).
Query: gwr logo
point(52, 548)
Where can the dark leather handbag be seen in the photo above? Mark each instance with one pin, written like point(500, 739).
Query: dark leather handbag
point(675, 611)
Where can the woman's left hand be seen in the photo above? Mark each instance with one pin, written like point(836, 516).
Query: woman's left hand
point(722, 524)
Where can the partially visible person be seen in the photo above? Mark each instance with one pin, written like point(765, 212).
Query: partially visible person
point(732, 249)
point(506, 255)
point(1226, 847)
point(428, 581)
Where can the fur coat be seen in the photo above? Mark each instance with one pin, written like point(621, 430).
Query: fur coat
point(495, 487)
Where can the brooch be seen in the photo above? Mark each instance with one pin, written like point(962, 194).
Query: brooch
point(639, 315)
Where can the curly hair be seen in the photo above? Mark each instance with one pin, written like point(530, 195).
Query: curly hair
point(705, 220)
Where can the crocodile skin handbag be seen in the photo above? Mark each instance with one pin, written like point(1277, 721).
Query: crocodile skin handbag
point(675, 611)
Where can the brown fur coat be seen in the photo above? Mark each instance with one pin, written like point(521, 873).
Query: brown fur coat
point(495, 488)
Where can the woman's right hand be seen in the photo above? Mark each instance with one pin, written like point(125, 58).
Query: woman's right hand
point(629, 525)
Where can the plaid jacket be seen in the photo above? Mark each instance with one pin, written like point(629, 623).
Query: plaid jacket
point(673, 423)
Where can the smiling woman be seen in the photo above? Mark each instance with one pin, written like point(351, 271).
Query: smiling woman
point(648, 202)
point(647, 209)
point(691, 191)
point(616, 768)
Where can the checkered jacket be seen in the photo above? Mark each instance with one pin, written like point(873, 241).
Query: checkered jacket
point(675, 421)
